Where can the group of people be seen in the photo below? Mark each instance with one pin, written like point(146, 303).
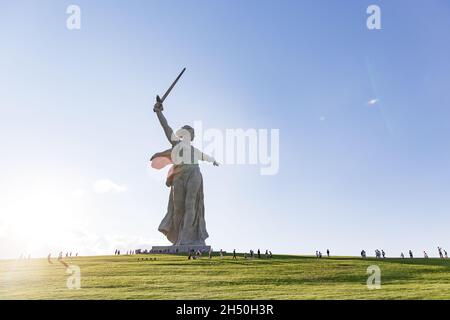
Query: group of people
point(381, 254)
point(128, 253)
point(442, 253)
point(267, 254)
point(319, 254)
point(196, 255)
point(60, 256)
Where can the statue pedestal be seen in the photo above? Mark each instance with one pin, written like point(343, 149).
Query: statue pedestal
point(180, 249)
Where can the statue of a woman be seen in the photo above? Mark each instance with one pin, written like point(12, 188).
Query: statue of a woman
point(184, 223)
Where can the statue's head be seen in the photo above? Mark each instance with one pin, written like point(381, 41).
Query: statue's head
point(186, 132)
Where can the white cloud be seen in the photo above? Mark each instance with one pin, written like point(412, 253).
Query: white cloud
point(372, 102)
point(105, 185)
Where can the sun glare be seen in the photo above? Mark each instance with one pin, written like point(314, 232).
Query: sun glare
point(35, 217)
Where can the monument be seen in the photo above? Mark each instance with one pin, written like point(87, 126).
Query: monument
point(184, 223)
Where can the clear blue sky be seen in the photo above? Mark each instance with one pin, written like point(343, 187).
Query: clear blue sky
point(76, 107)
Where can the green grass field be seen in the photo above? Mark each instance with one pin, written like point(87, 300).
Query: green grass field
point(175, 277)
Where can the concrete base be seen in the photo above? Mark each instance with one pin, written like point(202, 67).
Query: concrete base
point(180, 249)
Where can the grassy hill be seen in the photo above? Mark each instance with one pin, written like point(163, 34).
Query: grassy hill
point(175, 277)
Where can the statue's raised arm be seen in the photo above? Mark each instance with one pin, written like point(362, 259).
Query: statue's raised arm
point(168, 131)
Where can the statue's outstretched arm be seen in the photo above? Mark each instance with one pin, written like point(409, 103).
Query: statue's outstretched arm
point(173, 139)
point(204, 157)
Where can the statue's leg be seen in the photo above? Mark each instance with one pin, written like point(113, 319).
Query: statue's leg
point(179, 192)
point(189, 231)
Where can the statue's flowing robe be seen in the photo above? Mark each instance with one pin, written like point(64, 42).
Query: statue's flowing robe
point(184, 222)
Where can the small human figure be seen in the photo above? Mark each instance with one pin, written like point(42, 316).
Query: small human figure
point(251, 254)
point(445, 254)
point(411, 254)
point(221, 254)
point(440, 253)
point(234, 254)
point(270, 254)
point(210, 253)
point(383, 253)
point(259, 254)
point(328, 253)
point(118, 252)
point(425, 255)
point(402, 256)
point(49, 258)
point(317, 254)
point(76, 254)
